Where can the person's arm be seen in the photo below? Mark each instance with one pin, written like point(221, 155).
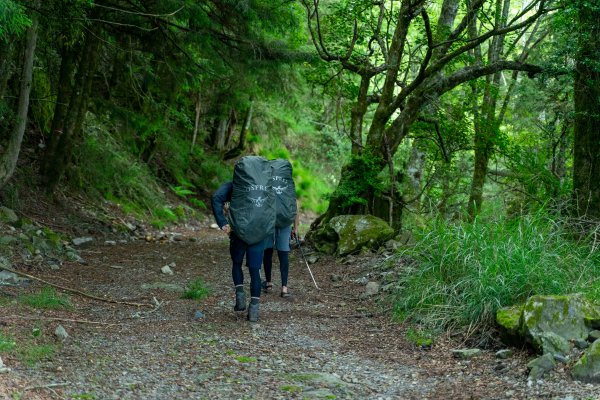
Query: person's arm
point(219, 198)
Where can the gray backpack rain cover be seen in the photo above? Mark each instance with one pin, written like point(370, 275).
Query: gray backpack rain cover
point(252, 207)
point(285, 193)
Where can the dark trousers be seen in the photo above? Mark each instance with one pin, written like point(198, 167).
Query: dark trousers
point(284, 265)
point(254, 257)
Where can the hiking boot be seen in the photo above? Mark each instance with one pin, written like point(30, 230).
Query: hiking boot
point(253, 312)
point(240, 301)
point(267, 287)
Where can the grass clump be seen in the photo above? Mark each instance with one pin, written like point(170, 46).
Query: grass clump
point(33, 353)
point(6, 344)
point(197, 290)
point(47, 298)
point(460, 273)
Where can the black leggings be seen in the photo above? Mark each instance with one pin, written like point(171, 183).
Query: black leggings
point(284, 265)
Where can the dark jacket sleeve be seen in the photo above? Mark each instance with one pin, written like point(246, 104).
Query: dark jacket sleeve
point(219, 198)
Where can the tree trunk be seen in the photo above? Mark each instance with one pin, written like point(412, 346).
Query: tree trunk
point(8, 160)
point(196, 121)
point(5, 66)
point(65, 88)
point(58, 160)
point(486, 130)
point(586, 165)
point(241, 145)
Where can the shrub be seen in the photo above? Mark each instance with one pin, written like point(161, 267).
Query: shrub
point(460, 273)
point(197, 290)
point(47, 298)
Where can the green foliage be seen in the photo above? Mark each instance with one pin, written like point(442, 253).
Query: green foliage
point(47, 298)
point(13, 19)
point(360, 178)
point(29, 351)
point(420, 337)
point(197, 290)
point(460, 273)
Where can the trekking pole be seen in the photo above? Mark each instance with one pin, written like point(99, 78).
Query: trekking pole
point(306, 262)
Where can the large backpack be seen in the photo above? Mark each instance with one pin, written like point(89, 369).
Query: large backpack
point(285, 193)
point(252, 207)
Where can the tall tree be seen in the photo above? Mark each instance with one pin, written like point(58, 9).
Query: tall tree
point(586, 166)
point(406, 62)
point(8, 160)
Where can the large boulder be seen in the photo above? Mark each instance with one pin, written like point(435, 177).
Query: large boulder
point(357, 231)
point(549, 323)
point(587, 369)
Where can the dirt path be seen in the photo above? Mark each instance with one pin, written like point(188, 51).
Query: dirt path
point(324, 344)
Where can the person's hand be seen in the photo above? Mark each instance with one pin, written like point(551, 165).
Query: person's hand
point(294, 233)
point(226, 229)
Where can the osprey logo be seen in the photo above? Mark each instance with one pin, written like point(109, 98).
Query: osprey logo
point(259, 201)
point(279, 189)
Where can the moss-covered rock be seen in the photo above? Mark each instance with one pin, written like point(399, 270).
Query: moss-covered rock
point(587, 369)
point(509, 323)
point(8, 216)
point(358, 231)
point(545, 317)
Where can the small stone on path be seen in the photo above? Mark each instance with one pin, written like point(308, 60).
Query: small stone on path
point(166, 270)
point(371, 289)
point(81, 240)
point(61, 333)
point(504, 354)
point(465, 354)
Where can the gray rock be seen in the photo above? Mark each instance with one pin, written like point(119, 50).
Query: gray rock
point(81, 240)
point(581, 344)
point(372, 289)
point(3, 368)
point(311, 259)
point(167, 270)
point(61, 333)
point(550, 322)
point(110, 242)
point(335, 278)
point(594, 335)
point(73, 256)
point(465, 354)
point(560, 358)
point(504, 354)
point(12, 279)
point(587, 369)
point(539, 366)
point(8, 215)
point(358, 231)
point(198, 315)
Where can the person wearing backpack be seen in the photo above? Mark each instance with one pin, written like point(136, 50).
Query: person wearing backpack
point(286, 224)
point(251, 215)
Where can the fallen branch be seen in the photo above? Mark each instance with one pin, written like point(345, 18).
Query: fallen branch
point(80, 321)
point(66, 289)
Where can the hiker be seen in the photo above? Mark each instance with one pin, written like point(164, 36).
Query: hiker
point(286, 224)
point(250, 219)
point(280, 241)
